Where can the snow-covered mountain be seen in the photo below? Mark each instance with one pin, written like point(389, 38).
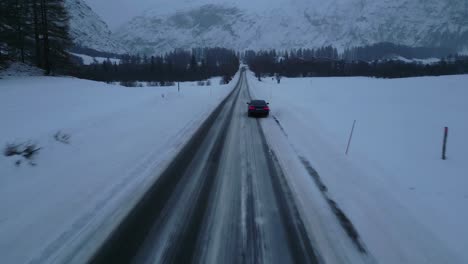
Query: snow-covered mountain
point(286, 24)
point(88, 30)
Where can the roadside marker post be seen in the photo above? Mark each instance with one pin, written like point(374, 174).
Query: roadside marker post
point(444, 144)
point(350, 137)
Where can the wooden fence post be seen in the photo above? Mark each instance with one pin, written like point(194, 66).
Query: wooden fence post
point(444, 146)
point(350, 137)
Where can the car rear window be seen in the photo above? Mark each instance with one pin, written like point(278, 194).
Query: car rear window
point(258, 102)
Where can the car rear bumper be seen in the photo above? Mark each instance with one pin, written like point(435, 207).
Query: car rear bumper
point(258, 112)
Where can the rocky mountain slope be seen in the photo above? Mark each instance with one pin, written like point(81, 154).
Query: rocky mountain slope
point(88, 30)
point(287, 24)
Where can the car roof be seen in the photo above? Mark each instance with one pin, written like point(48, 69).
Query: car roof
point(258, 102)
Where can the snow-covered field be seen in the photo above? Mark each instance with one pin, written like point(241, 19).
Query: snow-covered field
point(408, 205)
point(119, 140)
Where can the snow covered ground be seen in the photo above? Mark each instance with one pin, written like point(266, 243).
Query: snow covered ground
point(427, 61)
point(119, 140)
point(88, 60)
point(20, 70)
point(407, 204)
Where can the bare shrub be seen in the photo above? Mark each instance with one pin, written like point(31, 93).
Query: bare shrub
point(30, 151)
point(11, 150)
point(62, 137)
point(152, 84)
point(226, 79)
point(129, 83)
point(26, 150)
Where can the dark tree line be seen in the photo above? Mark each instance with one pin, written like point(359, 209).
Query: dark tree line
point(328, 52)
point(178, 65)
point(287, 63)
point(296, 64)
point(35, 31)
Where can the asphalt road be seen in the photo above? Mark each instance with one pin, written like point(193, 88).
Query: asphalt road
point(223, 199)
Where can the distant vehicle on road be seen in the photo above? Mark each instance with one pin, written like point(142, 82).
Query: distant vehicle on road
point(258, 108)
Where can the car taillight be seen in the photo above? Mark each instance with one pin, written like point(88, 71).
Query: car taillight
point(251, 107)
point(266, 108)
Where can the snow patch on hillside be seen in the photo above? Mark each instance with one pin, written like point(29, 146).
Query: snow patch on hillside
point(294, 24)
point(427, 61)
point(88, 30)
point(88, 60)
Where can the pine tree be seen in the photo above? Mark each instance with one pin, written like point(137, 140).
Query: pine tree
point(22, 27)
point(55, 34)
point(35, 31)
point(13, 29)
point(193, 64)
point(35, 7)
point(4, 29)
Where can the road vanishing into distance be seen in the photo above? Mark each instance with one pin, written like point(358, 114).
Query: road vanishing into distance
point(223, 199)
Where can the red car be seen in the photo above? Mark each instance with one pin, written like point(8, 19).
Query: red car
point(258, 108)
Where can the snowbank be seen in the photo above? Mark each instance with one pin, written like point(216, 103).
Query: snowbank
point(20, 69)
point(408, 205)
point(119, 140)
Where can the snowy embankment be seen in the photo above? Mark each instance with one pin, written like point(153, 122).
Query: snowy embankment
point(407, 204)
point(100, 146)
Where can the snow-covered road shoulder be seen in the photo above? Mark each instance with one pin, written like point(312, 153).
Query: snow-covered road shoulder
point(407, 205)
point(99, 148)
